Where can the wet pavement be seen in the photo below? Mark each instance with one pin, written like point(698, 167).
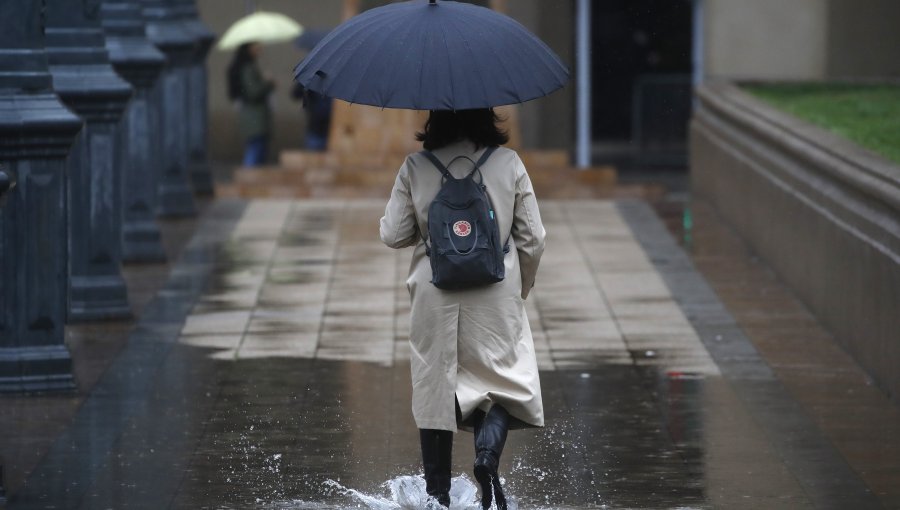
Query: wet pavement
point(271, 371)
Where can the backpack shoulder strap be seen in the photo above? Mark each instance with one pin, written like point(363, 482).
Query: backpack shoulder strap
point(436, 162)
point(484, 156)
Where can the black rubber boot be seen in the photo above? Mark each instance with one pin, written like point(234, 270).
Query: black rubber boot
point(490, 437)
point(437, 451)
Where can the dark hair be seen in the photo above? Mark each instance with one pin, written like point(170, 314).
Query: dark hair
point(447, 126)
point(241, 58)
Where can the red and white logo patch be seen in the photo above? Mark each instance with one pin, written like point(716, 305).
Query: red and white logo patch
point(462, 228)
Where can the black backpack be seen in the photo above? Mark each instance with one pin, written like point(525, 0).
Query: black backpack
point(465, 248)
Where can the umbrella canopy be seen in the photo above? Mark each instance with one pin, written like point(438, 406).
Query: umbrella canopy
point(311, 37)
point(432, 55)
point(263, 27)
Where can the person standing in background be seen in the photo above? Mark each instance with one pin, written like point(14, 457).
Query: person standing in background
point(318, 117)
point(251, 90)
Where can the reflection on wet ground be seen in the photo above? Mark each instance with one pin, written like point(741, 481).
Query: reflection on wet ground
point(271, 372)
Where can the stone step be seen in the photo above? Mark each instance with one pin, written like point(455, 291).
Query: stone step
point(281, 182)
point(328, 174)
point(306, 159)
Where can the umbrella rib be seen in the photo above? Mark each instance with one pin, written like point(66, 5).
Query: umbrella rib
point(368, 66)
point(523, 35)
point(500, 58)
point(521, 41)
point(473, 58)
point(401, 64)
point(551, 60)
point(421, 61)
point(515, 31)
point(328, 48)
point(450, 68)
point(346, 33)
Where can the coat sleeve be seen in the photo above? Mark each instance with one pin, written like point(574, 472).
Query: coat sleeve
point(399, 227)
point(527, 230)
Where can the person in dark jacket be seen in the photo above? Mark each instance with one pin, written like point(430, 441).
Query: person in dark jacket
point(251, 89)
point(318, 117)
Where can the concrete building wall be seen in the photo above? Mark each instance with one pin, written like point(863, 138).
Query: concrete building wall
point(766, 39)
point(549, 123)
point(822, 213)
point(863, 39)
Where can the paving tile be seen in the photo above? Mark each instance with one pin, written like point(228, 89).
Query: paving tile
point(216, 322)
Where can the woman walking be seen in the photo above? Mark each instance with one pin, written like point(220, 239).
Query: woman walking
point(472, 355)
point(248, 86)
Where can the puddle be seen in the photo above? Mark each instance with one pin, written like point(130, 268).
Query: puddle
point(401, 493)
point(408, 493)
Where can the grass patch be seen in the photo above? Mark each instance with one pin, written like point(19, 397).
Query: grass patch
point(869, 115)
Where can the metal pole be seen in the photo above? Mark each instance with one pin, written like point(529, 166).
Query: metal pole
point(698, 43)
point(583, 87)
point(5, 183)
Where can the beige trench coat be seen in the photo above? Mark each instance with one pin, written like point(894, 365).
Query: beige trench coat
point(473, 344)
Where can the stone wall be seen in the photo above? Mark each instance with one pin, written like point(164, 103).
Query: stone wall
point(863, 39)
point(822, 212)
point(549, 123)
point(765, 39)
point(801, 39)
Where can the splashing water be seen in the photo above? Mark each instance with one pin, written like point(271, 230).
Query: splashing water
point(402, 493)
point(408, 493)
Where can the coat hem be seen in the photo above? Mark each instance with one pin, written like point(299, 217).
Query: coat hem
point(435, 425)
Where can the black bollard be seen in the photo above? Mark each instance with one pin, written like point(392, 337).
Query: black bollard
point(198, 126)
point(140, 63)
point(36, 133)
point(165, 29)
point(6, 184)
point(86, 82)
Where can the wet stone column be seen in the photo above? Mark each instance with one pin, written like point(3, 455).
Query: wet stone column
point(85, 81)
point(36, 132)
point(138, 61)
point(165, 29)
point(198, 112)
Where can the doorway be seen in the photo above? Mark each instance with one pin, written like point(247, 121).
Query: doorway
point(641, 65)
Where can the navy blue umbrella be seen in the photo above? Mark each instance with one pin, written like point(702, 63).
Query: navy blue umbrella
point(432, 55)
point(311, 37)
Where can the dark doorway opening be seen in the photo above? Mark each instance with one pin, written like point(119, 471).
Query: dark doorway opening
point(641, 64)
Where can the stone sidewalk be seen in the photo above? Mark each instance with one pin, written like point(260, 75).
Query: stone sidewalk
point(312, 280)
point(272, 372)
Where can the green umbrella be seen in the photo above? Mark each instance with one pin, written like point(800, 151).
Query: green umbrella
point(262, 27)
